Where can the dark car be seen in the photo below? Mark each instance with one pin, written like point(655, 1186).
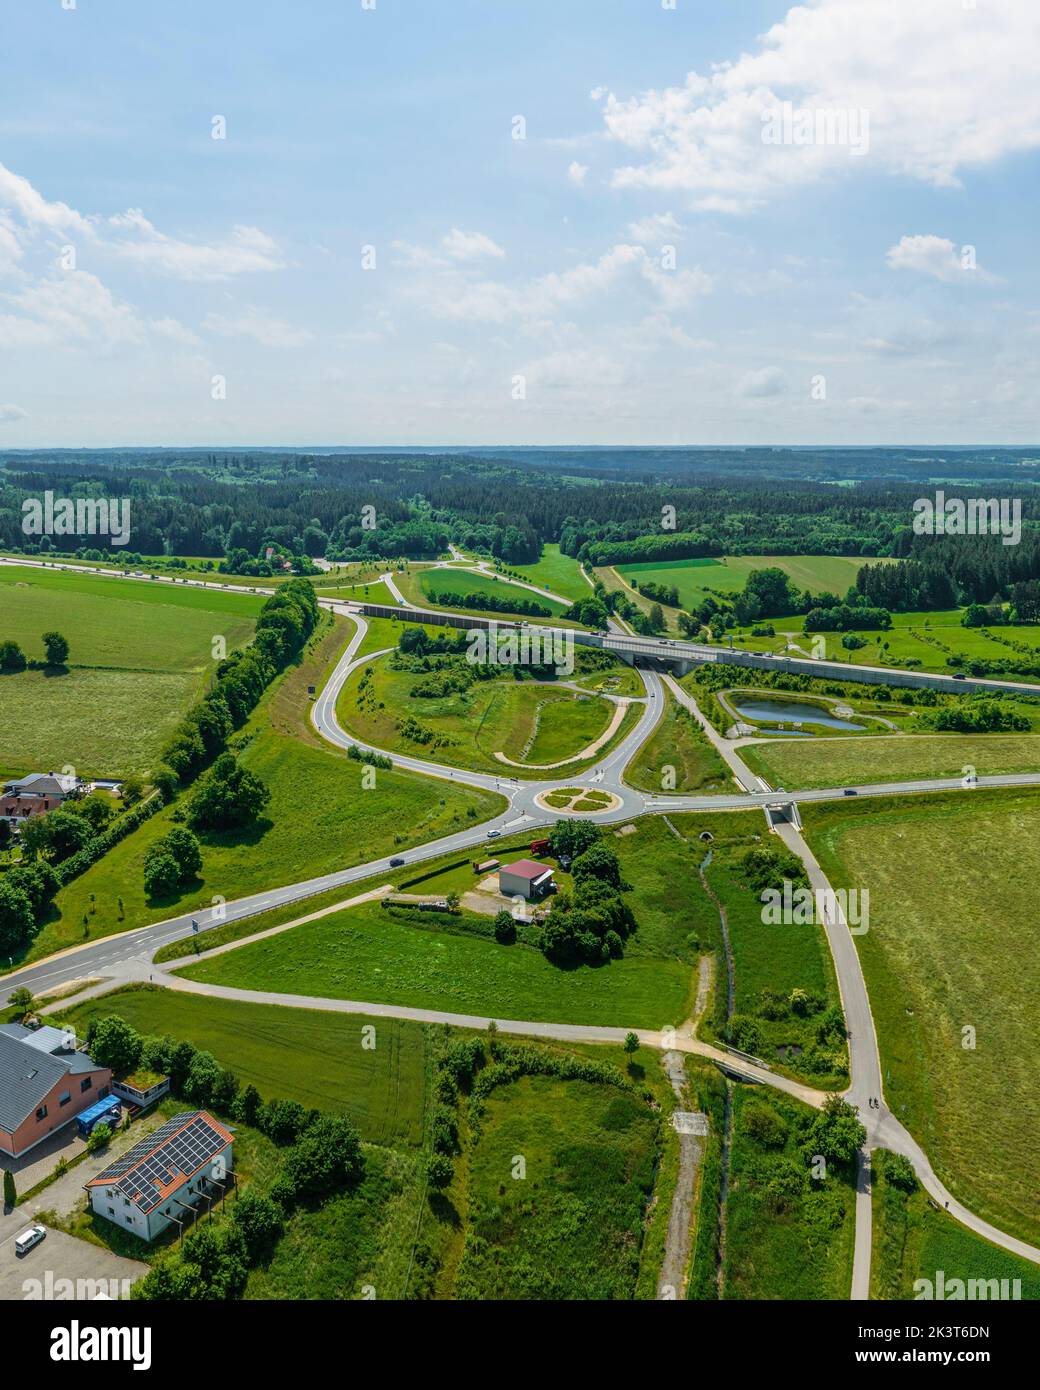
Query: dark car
point(397, 863)
point(850, 791)
point(959, 676)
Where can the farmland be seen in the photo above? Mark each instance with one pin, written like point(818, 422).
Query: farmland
point(841, 762)
point(952, 945)
point(138, 656)
point(695, 579)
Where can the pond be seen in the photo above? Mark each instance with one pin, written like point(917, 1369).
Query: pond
point(790, 712)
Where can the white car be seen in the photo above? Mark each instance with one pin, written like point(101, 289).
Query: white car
point(25, 1242)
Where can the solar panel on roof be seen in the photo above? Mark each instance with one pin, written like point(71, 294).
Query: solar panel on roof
point(163, 1157)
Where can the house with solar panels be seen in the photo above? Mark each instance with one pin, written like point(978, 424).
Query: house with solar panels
point(167, 1179)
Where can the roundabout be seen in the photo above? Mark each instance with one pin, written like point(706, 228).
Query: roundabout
point(578, 801)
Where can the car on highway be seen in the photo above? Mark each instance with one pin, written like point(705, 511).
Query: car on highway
point(493, 834)
point(959, 676)
point(397, 863)
point(25, 1242)
point(850, 791)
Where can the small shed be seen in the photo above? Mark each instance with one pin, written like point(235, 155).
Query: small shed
point(107, 1111)
point(525, 879)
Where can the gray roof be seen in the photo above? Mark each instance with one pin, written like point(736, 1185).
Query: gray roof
point(36, 784)
point(28, 1074)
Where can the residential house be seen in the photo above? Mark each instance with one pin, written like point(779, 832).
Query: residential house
point(44, 1084)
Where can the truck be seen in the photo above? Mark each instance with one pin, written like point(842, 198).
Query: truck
point(539, 847)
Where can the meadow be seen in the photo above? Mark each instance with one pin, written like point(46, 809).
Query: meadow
point(423, 584)
point(677, 757)
point(293, 1054)
point(841, 762)
point(953, 946)
point(695, 579)
point(560, 573)
point(572, 1227)
point(138, 655)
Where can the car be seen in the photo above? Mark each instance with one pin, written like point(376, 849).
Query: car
point(25, 1242)
point(850, 791)
point(493, 834)
point(959, 676)
point(397, 863)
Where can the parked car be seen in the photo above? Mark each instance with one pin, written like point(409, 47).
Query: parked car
point(397, 863)
point(25, 1242)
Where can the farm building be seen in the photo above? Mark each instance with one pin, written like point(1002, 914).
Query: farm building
point(166, 1178)
point(525, 879)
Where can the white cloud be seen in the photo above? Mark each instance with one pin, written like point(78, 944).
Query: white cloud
point(18, 194)
point(11, 412)
point(934, 256)
point(69, 309)
point(945, 89)
point(246, 250)
point(769, 381)
point(470, 246)
point(657, 228)
point(577, 172)
point(255, 324)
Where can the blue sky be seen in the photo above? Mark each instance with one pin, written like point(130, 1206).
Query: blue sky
point(661, 259)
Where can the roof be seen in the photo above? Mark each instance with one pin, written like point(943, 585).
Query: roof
point(100, 1107)
point(527, 868)
point(28, 1074)
point(51, 1041)
point(40, 784)
point(162, 1163)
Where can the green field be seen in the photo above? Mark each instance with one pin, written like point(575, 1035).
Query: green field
point(460, 581)
point(841, 762)
point(293, 1054)
point(953, 945)
point(571, 1227)
point(138, 655)
point(320, 818)
point(695, 579)
point(370, 592)
point(677, 757)
point(912, 1240)
point(786, 1236)
point(560, 573)
point(530, 722)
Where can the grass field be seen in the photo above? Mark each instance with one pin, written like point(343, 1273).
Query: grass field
point(798, 1246)
point(911, 1241)
point(560, 573)
point(840, 762)
point(531, 723)
point(461, 581)
point(571, 1227)
point(695, 579)
point(678, 757)
point(138, 655)
point(953, 944)
point(337, 823)
point(293, 1054)
point(373, 591)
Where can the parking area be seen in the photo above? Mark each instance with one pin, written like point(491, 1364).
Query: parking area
point(62, 1267)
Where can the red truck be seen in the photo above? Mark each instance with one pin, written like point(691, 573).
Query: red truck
point(539, 847)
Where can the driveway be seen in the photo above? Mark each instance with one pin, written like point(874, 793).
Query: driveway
point(62, 1267)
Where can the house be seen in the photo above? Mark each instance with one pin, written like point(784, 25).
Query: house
point(525, 879)
point(44, 1084)
point(35, 795)
point(166, 1177)
point(142, 1089)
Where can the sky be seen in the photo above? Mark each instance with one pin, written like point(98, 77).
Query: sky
point(403, 222)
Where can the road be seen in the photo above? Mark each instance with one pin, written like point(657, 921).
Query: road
point(128, 956)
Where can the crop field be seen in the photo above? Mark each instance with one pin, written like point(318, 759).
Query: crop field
point(528, 721)
point(572, 1228)
point(911, 1241)
point(840, 762)
point(678, 758)
point(695, 579)
point(293, 1054)
point(138, 655)
point(953, 945)
point(786, 1237)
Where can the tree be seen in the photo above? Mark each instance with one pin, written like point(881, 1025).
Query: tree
point(6, 834)
point(326, 1158)
point(260, 1222)
point(228, 796)
point(599, 862)
point(17, 923)
point(23, 1000)
point(572, 837)
point(631, 1044)
point(505, 928)
point(132, 790)
point(57, 648)
point(99, 1137)
point(115, 1044)
point(836, 1133)
point(12, 658)
point(10, 1191)
point(65, 832)
point(439, 1170)
point(162, 874)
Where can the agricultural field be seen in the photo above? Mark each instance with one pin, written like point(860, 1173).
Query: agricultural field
point(841, 762)
point(531, 723)
point(374, 591)
point(139, 655)
point(293, 1054)
point(953, 945)
point(695, 579)
point(913, 1240)
point(590, 1154)
point(786, 1236)
point(339, 824)
point(677, 757)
